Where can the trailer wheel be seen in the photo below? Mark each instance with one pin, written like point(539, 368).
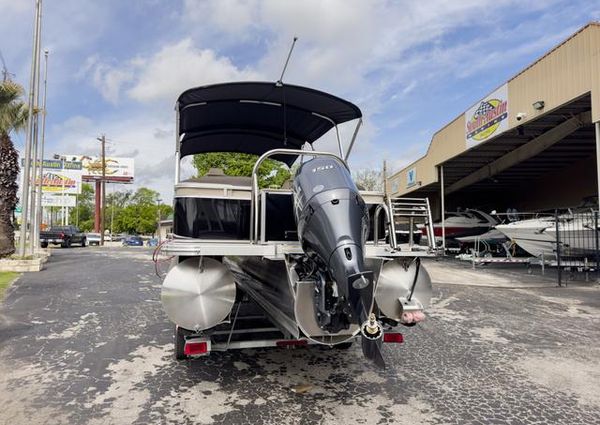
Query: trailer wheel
point(179, 343)
point(44, 244)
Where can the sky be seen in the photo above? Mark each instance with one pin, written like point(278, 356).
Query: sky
point(116, 67)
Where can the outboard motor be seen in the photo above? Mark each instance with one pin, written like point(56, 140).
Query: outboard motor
point(333, 225)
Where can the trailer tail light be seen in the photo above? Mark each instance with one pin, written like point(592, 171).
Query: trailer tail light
point(195, 348)
point(291, 343)
point(393, 337)
point(62, 235)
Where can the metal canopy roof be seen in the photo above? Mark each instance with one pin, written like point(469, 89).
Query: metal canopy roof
point(573, 147)
point(255, 117)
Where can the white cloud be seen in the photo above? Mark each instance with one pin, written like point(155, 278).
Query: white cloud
point(163, 76)
point(132, 136)
point(179, 66)
point(229, 16)
point(106, 78)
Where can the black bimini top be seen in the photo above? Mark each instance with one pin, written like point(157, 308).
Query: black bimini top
point(250, 117)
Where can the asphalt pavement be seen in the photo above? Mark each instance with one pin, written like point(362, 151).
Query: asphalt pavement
point(85, 341)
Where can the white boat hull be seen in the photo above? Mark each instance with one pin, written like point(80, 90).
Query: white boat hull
point(579, 241)
point(538, 237)
point(531, 235)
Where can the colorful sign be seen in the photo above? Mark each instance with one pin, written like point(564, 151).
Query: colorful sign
point(117, 169)
point(52, 200)
point(68, 182)
point(487, 118)
point(411, 177)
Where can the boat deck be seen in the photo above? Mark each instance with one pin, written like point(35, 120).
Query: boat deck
point(275, 250)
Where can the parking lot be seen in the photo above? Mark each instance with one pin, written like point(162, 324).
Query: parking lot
point(86, 341)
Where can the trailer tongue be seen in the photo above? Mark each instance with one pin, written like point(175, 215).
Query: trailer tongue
point(285, 267)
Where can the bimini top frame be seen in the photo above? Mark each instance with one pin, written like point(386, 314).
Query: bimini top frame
point(256, 117)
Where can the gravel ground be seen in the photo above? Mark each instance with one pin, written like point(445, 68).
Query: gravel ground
point(86, 342)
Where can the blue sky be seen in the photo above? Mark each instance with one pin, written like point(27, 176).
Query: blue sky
point(116, 67)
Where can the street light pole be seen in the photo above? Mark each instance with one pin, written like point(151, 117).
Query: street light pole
point(34, 153)
point(40, 208)
point(25, 192)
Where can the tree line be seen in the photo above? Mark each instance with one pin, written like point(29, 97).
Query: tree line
point(126, 211)
point(271, 173)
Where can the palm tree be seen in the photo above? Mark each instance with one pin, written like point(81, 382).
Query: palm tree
point(13, 117)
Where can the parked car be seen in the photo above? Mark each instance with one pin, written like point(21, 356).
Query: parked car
point(152, 242)
point(133, 241)
point(93, 238)
point(64, 236)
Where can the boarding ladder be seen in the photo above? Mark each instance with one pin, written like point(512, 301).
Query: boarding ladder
point(410, 212)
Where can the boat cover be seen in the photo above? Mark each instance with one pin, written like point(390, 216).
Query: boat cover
point(255, 117)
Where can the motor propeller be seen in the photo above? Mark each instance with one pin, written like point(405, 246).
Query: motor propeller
point(372, 350)
point(371, 341)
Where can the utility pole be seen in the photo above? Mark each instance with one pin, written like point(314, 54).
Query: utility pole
point(34, 154)
point(102, 140)
point(112, 211)
point(40, 208)
point(25, 190)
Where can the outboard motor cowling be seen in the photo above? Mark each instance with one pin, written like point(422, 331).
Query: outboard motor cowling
point(333, 224)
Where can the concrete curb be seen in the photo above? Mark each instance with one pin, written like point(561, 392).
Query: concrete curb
point(20, 266)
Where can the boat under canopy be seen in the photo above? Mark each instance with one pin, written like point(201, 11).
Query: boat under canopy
point(256, 117)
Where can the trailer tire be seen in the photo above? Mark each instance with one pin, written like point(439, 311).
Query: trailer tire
point(44, 244)
point(179, 343)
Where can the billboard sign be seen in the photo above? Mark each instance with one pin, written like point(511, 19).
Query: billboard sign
point(57, 164)
point(117, 169)
point(487, 118)
point(52, 200)
point(61, 181)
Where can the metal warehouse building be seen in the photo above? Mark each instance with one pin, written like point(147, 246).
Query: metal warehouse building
point(532, 144)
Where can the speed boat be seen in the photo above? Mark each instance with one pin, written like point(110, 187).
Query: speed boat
point(315, 263)
point(532, 235)
point(458, 224)
point(577, 234)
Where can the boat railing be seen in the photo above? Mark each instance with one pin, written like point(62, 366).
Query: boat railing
point(413, 211)
point(254, 196)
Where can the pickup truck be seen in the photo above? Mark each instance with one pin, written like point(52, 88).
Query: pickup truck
point(64, 236)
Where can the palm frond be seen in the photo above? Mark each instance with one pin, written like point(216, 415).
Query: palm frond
point(10, 92)
point(13, 112)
